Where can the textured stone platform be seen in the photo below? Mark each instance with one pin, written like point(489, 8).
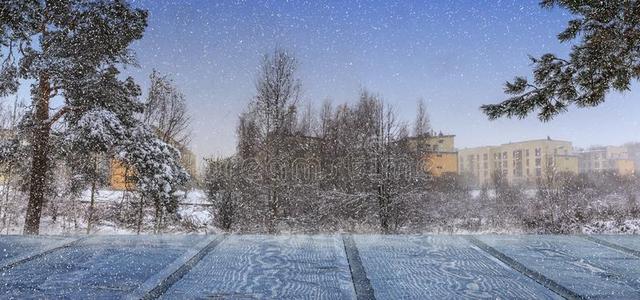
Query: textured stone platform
point(321, 267)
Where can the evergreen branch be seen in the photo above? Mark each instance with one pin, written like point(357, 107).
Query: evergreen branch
point(604, 60)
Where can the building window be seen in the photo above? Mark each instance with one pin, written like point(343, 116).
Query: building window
point(538, 151)
point(538, 162)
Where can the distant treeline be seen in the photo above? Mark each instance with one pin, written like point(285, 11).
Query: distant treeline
point(352, 167)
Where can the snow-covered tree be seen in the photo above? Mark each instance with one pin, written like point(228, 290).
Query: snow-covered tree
point(90, 139)
point(157, 169)
point(68, 49)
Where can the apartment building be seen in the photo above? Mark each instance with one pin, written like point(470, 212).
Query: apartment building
point(633, 150)
point(440, 155)
point(606, 158)
point(519, 162)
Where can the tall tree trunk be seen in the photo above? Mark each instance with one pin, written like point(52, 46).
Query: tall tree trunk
point(40, 163)
point(156, 226)
point(93, 193)
point(383, 204)
point(7, 190)
point(74, 207)
point(227, 211)
point(273, 206)
point(140, 214)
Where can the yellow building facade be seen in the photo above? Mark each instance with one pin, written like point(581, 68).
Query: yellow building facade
point(606, 158)
point(121, 176)
point(440, 155)
point(566, 163)
point(519, 162)
point(441, 163)
point(624, 167)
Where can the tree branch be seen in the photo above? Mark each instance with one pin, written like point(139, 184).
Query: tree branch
point(61, 112)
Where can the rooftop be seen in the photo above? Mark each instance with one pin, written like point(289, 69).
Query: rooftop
point(518, 142)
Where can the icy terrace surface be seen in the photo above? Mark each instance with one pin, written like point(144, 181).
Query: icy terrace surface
point(320, 267)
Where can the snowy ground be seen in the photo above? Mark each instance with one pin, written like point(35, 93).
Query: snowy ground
point(321, 267)
point(196, 217)
point(194, 208)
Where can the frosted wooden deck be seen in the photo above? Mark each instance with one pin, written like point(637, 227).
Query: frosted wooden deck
point(17, 248)
point(99, 267)
point(582, 266)
point(320, 267)
point(270, 267)
point(625, 243)
point(437, 267)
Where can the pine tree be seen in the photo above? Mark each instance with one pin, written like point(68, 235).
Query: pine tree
point(604, 60)
point(69, 49)
point(90, 139)
point(156, 164)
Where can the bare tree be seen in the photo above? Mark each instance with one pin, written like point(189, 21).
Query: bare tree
point(306, 123)
point(326, 112)
point(9, 117)
point(278, 91)
point(248, 136)
point(388, 152)
point(166, 110)
point(422, 125)
point(266, 133)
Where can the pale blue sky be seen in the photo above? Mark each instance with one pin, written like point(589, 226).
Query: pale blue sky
point(456, 55)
